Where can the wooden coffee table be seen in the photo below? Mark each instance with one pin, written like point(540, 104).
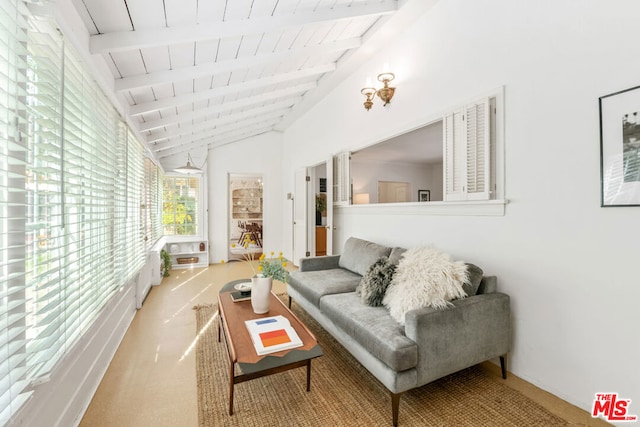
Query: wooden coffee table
point(240, 348)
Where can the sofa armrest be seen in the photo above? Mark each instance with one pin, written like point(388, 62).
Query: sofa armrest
point(475, 329)
point(327, 262)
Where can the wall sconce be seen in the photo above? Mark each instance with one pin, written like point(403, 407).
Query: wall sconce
point(385, 93)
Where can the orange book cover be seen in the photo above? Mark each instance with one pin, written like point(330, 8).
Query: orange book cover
point(272, 334)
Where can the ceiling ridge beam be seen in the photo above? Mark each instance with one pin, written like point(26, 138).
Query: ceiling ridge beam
point(140, 39)
point(152, 106)
point(219, 108)
point(212, 68)
point(159, 136)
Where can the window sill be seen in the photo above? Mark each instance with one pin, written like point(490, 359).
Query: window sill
point(464, 208)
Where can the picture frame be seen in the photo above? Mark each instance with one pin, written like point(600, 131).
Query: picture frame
point(424, 195)
point(619, 115)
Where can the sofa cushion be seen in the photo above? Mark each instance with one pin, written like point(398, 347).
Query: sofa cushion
point(475, 277)
point(358, 255)
point(396, 254)
point(314, 284)
point(425, 277)
point(375, 282)
point(373, 328)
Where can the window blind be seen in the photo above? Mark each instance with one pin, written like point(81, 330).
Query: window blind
point(71, 186)
point(14, 376)
point(150, 209)
point(135, 187)
point(44, 216)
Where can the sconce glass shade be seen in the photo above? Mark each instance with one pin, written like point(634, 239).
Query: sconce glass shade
point(188, 168)
point(386, 77)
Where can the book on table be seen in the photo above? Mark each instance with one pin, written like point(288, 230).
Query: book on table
point(271, 334)
point(238, 296)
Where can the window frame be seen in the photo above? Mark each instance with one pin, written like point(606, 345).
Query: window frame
point(493, 206)
point(199, 214)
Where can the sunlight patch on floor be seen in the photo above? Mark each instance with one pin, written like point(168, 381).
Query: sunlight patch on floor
point(200, 332)
point(188, 280)
point(189, 303)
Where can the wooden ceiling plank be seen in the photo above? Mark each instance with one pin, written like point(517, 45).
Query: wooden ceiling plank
point(187, 73)
point(164, 36)
point(109, 16)
point(146, 14)
point(142, 108)
point(181, 12)
point(217, 131)
point(248, 115)
point(242, 103)
point(230, 138)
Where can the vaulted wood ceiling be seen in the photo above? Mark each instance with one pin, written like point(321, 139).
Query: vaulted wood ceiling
point(195, 74)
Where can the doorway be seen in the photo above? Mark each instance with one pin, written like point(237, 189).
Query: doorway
point(245, 216)
point(319, 174)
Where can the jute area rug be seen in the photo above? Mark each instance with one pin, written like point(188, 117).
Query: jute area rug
point(343, 393)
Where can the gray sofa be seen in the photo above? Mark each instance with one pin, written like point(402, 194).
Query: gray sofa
point(432, 343)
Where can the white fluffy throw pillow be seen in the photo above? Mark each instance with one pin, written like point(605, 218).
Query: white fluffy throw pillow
point(425, 277)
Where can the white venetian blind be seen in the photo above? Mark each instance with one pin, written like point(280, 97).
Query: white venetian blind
point(150, 209)
point(71, 186)
point(134, 249)
point(14, 375)
point(45, 243)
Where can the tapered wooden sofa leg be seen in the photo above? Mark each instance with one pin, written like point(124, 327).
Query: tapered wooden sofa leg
point(503, 366)
point(395, 407)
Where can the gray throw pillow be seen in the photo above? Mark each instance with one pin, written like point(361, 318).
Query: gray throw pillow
point(396, 254)
point(375, 282)
point(475, 277)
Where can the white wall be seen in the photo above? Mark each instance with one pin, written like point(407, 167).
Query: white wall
point(569, 265)
point(261, 155)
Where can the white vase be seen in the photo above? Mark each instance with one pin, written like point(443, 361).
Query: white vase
point(260, 294)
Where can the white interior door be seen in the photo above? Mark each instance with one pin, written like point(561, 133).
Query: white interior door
point(300, 216)
point(330, 226)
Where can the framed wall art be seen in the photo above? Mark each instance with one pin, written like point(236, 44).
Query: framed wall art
point(620, 148)
point(424, 195)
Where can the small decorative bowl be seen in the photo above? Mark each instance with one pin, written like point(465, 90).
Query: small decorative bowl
point(244, 288)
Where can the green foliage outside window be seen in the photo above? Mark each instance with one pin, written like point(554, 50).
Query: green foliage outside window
point(180, 206)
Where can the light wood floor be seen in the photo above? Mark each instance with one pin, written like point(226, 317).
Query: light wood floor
point(151, 380)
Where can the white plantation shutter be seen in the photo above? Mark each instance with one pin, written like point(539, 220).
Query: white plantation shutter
point(454, 168)
point(477, 150)
point(341, 179)
point(467, 153)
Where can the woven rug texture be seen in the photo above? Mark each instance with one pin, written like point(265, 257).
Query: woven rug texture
point(343, 393)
